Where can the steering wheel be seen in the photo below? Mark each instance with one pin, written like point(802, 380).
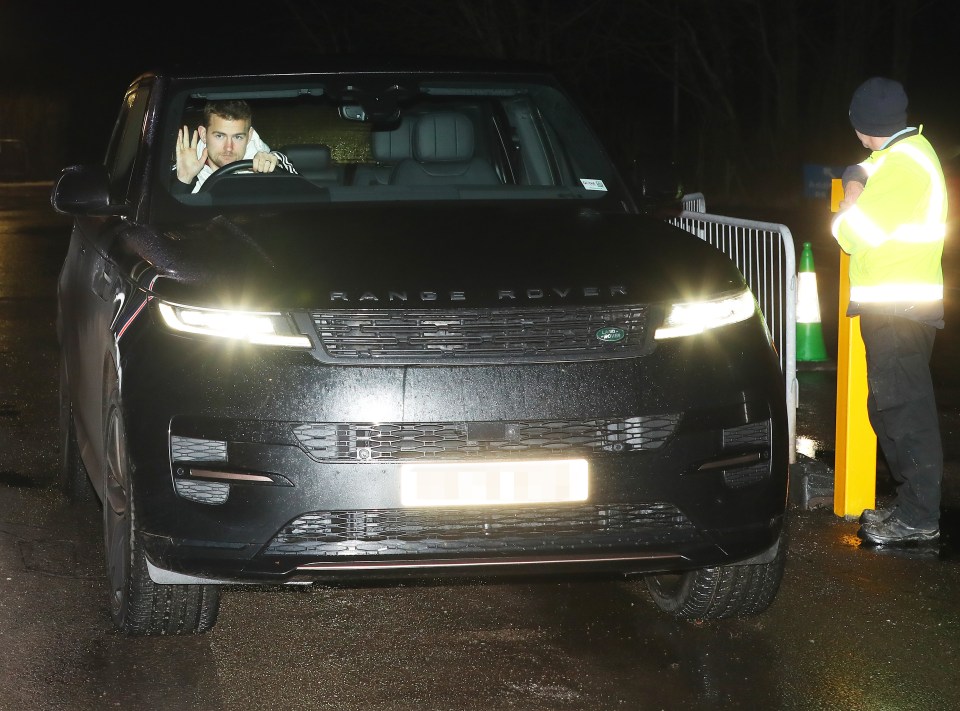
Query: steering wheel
point(225, 170)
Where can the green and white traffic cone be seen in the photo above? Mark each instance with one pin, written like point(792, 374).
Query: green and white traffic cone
point(810, 346)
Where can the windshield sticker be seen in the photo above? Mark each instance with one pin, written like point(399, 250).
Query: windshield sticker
point(592, 184)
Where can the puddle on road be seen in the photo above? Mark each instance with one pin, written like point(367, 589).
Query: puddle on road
point(947, 548)
point(816, 449)
point(17, 480)
point(916, 551)
point(58, 559)
point(944, 549)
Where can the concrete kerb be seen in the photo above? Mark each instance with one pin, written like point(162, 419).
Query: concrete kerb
point(811, 483)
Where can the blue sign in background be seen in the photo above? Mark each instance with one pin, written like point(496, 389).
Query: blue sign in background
point(817, 178)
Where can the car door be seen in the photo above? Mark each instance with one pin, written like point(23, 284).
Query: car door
point(90, 282)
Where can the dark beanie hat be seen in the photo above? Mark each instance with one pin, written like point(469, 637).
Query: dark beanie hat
point(879, 107)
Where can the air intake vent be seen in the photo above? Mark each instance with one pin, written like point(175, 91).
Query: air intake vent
point(352, 441)
point(203, 492)
point(192, 449)
point(754, 437)
point(384, 532)
point(756, 433)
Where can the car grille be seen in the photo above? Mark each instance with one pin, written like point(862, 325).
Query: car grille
point(420, 335)
point(325, 441)
point(387, 532)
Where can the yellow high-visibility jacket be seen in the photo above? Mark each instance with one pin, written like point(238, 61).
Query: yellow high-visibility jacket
point(895, 231)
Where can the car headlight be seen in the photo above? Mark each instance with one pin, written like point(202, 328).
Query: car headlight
point(692, 317)
point(260, 327)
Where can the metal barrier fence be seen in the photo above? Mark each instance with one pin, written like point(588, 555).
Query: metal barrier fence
point(764, 253)
point(694, 202)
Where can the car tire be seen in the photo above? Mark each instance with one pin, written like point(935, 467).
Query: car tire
point(737, 590)
point(138, 605)
point(74, 481)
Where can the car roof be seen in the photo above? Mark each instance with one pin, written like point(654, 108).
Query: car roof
point(347, 64)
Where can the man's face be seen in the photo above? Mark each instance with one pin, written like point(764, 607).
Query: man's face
point(874, 143)
point(226, 140)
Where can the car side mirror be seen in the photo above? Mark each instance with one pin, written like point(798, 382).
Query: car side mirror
point(84, 190)
point(656, 184)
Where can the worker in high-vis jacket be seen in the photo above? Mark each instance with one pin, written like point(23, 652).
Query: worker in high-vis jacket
point(892, 223)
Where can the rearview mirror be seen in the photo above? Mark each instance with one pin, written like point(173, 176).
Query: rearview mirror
point(352, 112)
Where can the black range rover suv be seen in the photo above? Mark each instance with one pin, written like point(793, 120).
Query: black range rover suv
point(447, 341)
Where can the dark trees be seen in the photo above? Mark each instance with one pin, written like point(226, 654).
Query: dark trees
point(740, 93)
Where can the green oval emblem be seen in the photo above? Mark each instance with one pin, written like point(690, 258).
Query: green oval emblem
point(611, 334)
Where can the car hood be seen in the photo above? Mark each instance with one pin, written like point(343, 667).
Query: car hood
point(433, 256)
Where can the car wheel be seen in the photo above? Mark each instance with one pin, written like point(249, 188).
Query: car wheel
point(737, 590)
point(138, 605)
point(74, 481)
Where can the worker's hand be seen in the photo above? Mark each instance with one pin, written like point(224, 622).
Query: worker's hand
point(189, 164)
point(851, 193)
point(264, 162)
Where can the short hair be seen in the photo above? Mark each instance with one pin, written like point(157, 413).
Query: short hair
point(232, 109)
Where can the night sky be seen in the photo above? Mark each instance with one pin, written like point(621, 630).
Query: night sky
point(104, 44)
point(91, 51)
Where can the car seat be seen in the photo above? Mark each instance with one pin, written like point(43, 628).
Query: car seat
point(443, 154)
point(313, 162)
point(387, 149)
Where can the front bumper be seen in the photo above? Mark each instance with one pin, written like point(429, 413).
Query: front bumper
point(272, 477)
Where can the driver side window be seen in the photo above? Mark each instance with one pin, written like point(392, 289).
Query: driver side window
point(122, 154)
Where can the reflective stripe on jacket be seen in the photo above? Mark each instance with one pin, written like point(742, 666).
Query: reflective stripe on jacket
point(894, 233)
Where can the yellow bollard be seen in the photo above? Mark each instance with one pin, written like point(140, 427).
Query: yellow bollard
point(855, 469)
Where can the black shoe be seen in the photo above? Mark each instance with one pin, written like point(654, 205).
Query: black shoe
point(893, 530)
point(876, 515)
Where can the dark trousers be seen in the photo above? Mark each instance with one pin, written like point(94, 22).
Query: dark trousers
point(903, 411)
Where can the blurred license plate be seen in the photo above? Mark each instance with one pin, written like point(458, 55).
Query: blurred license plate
point(479, 483)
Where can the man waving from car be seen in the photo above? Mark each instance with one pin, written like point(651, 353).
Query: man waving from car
point(225, 136)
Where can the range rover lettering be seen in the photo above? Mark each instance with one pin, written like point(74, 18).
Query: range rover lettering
point(393, 322)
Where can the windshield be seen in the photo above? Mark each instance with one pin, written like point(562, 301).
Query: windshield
point(380, 138)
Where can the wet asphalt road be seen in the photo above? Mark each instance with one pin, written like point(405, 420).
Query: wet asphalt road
point(852, 628)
